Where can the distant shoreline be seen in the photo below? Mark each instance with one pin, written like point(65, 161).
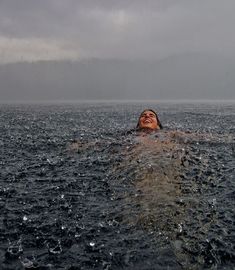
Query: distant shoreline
point(67, 102)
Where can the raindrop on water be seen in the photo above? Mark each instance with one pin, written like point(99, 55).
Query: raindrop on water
point(27, 263)
point(57, 249)
point(180, 227)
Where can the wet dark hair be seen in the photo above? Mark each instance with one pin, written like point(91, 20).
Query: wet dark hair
point(158, 121)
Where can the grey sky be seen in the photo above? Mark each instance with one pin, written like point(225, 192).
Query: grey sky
point(32, 30)
point(133, 49)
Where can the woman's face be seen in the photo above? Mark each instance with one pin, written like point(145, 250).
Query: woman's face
point(148, 119)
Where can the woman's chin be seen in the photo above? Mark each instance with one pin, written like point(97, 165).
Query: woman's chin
point(149, 126)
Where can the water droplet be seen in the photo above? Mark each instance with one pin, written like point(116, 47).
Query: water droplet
point(101, 224)
point(56, 250)
point(25, 218)
point(180, 227)
point(15, 249)
point(92, 244)
point(213, 204)
point(27, 263)
point(48, 160)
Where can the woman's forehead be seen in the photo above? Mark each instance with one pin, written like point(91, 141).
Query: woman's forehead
point(148, 111)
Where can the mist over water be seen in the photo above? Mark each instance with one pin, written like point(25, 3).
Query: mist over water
point(116, 200)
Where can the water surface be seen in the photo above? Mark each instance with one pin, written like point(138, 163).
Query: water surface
point(117, 200)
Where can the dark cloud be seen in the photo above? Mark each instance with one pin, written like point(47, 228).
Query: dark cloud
point(150, 29)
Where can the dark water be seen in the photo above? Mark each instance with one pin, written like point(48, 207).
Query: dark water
point(116, 201)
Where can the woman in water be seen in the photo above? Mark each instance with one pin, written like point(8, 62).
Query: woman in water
point(148, 120)
point(152, 165)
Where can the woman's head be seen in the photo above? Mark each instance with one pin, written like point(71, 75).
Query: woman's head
point(149, 120)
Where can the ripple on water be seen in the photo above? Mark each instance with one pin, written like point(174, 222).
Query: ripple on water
point(115, 202)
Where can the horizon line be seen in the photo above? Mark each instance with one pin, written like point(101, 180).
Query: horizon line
point(96, 101)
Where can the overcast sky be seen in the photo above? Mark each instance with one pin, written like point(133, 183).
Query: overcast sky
point(32, 30)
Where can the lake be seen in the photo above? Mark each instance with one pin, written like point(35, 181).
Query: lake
point(117, 200)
